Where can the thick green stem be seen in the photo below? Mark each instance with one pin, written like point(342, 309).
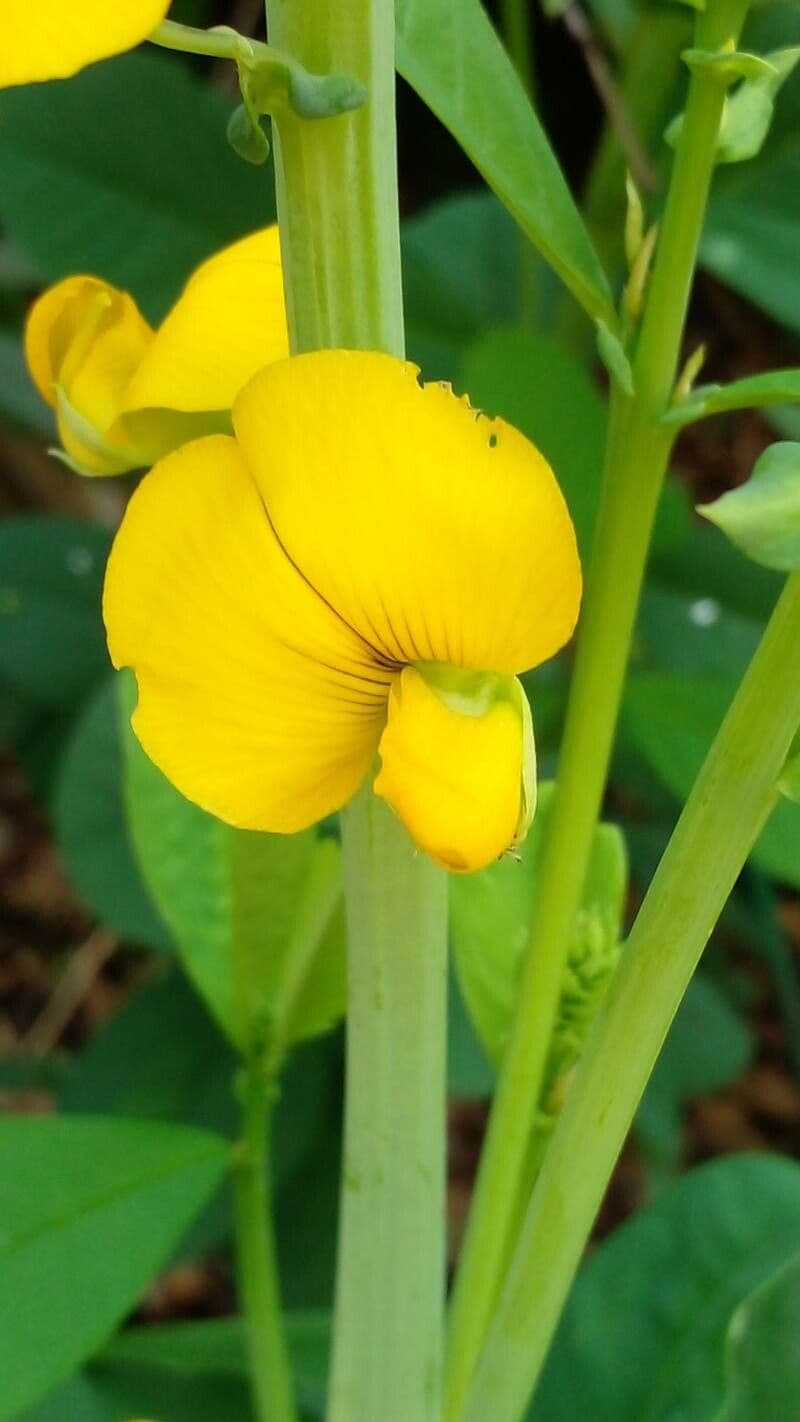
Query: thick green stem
point(257, 1266)
point(636, 459)
point(733, 795)
point(390, 1285)
point(338, 210)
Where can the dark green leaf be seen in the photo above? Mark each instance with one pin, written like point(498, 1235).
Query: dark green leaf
point(92, 830)
point(763, 1363)
point(257, 917)
point(90, 1209)
point(20, 401)
point(52, 646)
point(672, 720)
point(644, 1332)
point(449, 52)
point(125, 172)
point(708, 1047)
point(468, 1071)
point(762, 517)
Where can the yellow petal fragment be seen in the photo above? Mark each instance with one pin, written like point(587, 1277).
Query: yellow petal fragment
point(452, 776)
point(254, 698)
point(229, 322)
point(438, 534)
point(52, 39)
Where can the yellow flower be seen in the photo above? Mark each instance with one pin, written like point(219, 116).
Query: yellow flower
point(363, 569)
point(125, 394)
point(52, 39)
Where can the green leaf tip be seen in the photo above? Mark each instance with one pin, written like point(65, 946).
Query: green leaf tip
point(762, 517)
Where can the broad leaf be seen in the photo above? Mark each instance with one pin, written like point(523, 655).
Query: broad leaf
point(762, 517)
point(89, 1210)
point(258, 918)
point(449, 52)
point(91, 826)
point(672, 720)
point(121, 171)
point(763, 1362)
point(644, 1333)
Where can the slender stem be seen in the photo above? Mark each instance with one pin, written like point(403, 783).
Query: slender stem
point(257, 1266)
point(217, 44)
point(517, 22)
point(338, 211)
point(636, 459)
point(390, 1286)
point(730, 802)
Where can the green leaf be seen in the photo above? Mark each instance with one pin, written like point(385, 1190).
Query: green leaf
point(708, 1047)
point(258, 918)
point(672, 720)
point(789, 783)
point(773, 388)
point(20, 401)
point(490, 915)
point(449, 52)
point(461, 260)
point(762, 517)
point(644, 1331)
point(729, 65)
point(750, 237)
point(91, 827)
point(119, 172)
point(612, 354)
point(52, 646)
point(529, 380)
point(763, 1352)
point(468, 1071)
point(188, 1372)
point(90, 1209)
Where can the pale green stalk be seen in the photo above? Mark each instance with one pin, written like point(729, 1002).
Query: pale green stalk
point(257, 1265)
point(338, 211)
point(636, 459)
point(733, 795)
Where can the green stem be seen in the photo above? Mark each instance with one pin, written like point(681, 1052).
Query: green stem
point(340, 242)
point(636, 459)
point(390, 1285)
point(216, 44)
point(517, 24)
point(730, 802)
point(257, 1266)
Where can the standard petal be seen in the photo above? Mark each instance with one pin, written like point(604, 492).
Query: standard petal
point(229, 322)
point(254, 697)
point(51, 39)
point(438, 534)
point(454, 779)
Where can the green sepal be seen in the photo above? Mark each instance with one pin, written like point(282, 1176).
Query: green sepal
point(749, 111)
point(762, 517)
point(728, 65)
point(612, 354)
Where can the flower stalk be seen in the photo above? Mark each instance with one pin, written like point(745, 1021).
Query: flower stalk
point(257, 1265)
point(636, 459)
point(339, 221)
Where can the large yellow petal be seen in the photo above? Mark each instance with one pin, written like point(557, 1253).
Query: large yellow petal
point(438, 534)
point(52, 39)
point(453, 777)
point(254, 697)
point(229, 322)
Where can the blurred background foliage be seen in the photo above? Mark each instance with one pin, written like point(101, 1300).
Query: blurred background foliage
point(125, 172)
